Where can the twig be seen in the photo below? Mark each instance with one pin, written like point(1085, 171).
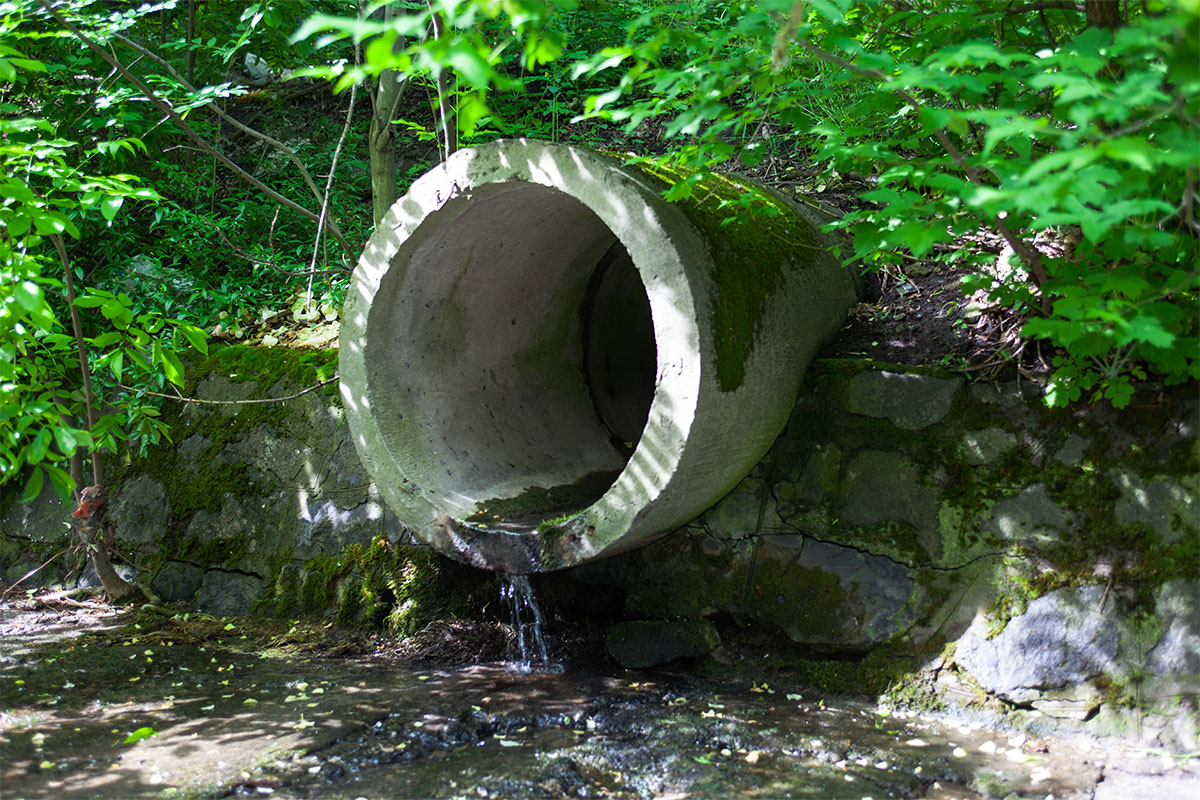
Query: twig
point(181, 399)
point(445, 113)
point(166, 109)
point(246, 129)
point(77, 327)
point(337, 151)
point(32, 572)
point(1104, 597)
point(270, 263)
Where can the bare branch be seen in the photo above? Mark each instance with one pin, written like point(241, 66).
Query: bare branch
point(270, 263)
point(246, 129)
point(1045, 5)
point(165, 108)
point(196, 400)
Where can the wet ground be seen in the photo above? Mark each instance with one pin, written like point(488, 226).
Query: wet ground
point(95, 704)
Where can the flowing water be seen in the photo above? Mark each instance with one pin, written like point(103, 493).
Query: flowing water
point(100, 705)
point(528, 625)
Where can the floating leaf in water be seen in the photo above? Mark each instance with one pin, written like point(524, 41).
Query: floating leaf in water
point(753, 756)
point(509, 743)
point(303, 723)
point(702, 759)
point(139, 734)
point(38, 739)
point(46, 765)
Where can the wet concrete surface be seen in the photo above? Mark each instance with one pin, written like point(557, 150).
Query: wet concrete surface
point(239, 710)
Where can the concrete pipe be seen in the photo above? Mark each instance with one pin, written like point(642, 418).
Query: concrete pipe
point(544, 362)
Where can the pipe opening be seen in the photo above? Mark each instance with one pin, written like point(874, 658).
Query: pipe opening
point(523, 358)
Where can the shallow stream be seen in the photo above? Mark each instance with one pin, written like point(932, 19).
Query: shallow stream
point(236, 714)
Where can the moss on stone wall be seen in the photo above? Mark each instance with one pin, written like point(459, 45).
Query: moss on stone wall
point(381, 586)
point(201, 481)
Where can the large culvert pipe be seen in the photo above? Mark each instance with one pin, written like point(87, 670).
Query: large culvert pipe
point(544, 362)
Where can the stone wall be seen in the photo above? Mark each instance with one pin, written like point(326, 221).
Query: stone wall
point(1048, 560)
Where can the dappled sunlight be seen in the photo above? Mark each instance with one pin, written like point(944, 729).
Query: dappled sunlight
point(487, 367)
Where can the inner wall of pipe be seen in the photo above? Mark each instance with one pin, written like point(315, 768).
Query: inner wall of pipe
point(535, 359)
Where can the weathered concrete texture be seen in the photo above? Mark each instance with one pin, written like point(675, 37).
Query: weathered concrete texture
point(544, 362)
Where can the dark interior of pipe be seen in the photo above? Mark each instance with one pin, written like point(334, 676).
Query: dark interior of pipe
point(620, 357)
point(620, 360)
point(528, 354)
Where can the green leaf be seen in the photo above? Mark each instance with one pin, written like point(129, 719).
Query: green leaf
point(89, 301)
point(34, 487)
point(29, 295)
point(196, 337)
point(470, 66)
point(61, 480)
point(64, 437)
point(173, 367)
point(139, 734)
point(39, 447)
point(1148, 329)
point(48, 223)
point(106, 339)
point(110, 205)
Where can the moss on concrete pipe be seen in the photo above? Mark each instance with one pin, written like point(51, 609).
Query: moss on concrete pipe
point(544, 362)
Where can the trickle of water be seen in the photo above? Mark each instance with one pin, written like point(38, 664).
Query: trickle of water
point(526, 618)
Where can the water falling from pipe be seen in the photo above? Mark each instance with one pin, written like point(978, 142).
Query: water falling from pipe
point(525, 616)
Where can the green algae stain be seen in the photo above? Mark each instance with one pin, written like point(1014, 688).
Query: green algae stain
point(754, 238)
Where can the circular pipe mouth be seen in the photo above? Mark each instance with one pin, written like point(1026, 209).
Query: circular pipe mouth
point(519, 348)
point(528, 353)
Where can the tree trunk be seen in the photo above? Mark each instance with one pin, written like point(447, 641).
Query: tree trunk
point(88, 524)
point(1103, 14)
point(381, 142)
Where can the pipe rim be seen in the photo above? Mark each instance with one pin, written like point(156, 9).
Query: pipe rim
point(616, 519)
